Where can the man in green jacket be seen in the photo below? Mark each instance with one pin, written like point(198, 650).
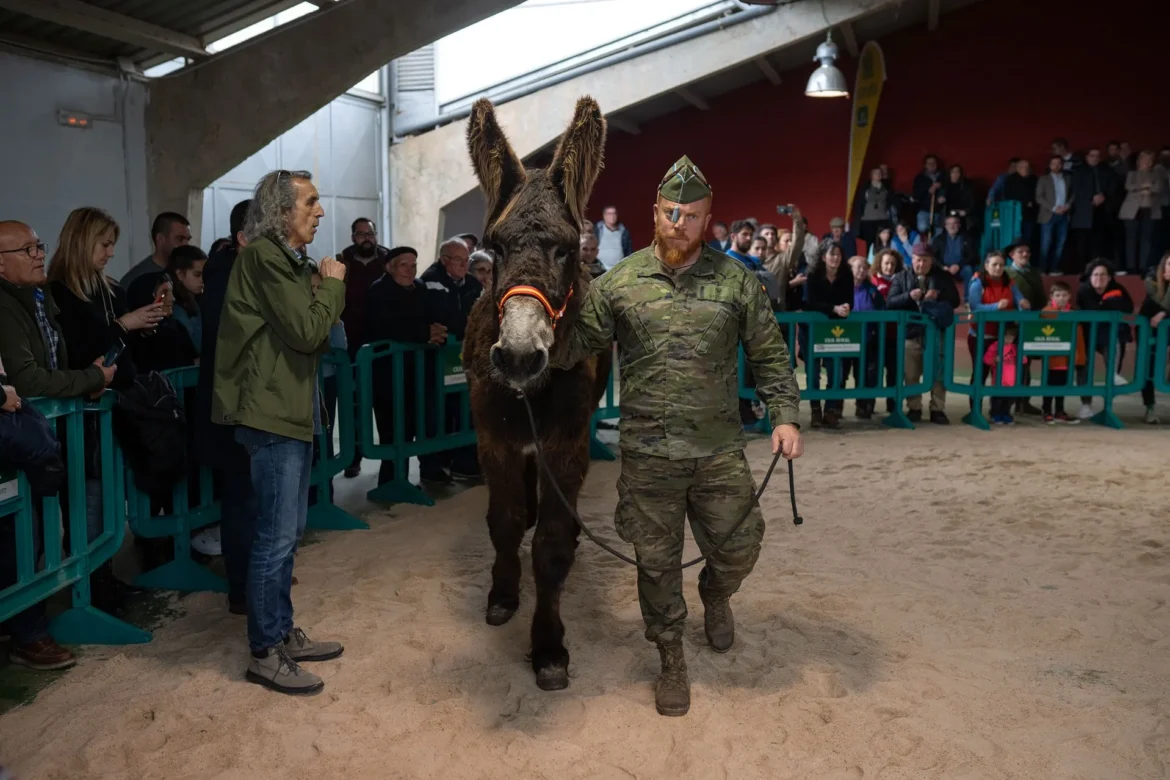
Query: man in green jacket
point(33, 363)
point(272, 332)
point(679, 311)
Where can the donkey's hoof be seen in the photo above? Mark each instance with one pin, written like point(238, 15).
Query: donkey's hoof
point(552, 678)
point(499, 614)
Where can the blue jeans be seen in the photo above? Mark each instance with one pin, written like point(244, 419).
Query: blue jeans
point(924, 223)
point(280, 480)
point(1058, 225)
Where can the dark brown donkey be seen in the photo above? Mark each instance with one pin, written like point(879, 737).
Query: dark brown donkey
point(538, 284)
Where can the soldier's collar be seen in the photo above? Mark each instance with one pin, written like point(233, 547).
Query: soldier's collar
point(704, 266)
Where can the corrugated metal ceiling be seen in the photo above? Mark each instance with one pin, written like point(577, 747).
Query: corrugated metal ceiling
point(206, 20)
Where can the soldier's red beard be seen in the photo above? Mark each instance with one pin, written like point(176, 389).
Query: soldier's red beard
point(675, 253)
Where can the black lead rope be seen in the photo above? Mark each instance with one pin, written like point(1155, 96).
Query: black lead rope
point(796, 518)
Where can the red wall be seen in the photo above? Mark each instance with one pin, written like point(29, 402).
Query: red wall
point(997, 79)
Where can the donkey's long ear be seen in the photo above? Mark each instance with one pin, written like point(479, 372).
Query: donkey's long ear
point(497, 167)
point(579, 157)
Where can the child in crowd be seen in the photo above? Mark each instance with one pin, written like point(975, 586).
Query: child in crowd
point(865, 298)
point(1004, 364)
point(1060, 299)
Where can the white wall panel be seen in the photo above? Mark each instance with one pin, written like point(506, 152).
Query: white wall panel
point(341, 146)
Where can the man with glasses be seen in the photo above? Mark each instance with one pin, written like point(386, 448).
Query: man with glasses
point(365, 262)
point(34, 359)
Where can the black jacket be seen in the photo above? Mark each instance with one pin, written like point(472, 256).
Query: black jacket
point(1022, 189)
point(938, 279)
point(1115, 298)
point(1088, 182)
point(821, 295)
point(403, 314)
point(921, 191)
point(89, 329)
point(217, 445)
point(463, 295)
point(167, 346)
point(969, 254)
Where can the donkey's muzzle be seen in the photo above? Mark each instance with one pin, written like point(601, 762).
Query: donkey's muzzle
point(520, 366)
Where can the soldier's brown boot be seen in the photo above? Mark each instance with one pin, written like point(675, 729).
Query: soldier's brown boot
point(672, 692)
point(718, 622)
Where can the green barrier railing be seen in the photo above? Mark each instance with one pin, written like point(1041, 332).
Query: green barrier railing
point(1002, 224)
point(608, 409)
point(1042, 336)
point(323, 514)
point(1161, 347)
point(444, 368)
point(82, 623)
point(192, 507)
point(864, 337)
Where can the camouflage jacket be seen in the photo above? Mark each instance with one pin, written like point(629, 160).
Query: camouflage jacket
point(678, 340)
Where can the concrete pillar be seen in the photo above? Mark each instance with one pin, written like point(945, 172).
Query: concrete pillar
point(432, 170)
point(204, 120)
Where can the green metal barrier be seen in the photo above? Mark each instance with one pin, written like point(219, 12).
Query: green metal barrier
point(445, 370)
point(1003, 223)
point(323, 514)
point(81, 623)
point(828, 343)
point(192, 508)
point(1042, 336)
point(608, 410)
point(1161, 347)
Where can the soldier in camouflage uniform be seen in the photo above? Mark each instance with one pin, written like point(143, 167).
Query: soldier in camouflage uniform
point(679, 311)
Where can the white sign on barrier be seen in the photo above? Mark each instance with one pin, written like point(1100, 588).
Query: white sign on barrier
point(9, 490)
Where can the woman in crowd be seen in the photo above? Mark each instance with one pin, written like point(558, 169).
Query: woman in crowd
point(883, 240)
point(875, 207)
point(991, 290)
point(94, 317)
point(1101, 292)
point(175, 342)
point(186, 268)
point(1140, 210)
point(1155, 307)
point(904, 239)
point(829, 291)
point(481, 268)
point(961, 200)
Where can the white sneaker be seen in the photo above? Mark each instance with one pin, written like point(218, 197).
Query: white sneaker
point(1086, 412)
point(207, 542)
point(1151, 416)
point(1118, 379)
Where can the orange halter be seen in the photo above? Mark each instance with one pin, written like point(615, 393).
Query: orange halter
point(524, 290)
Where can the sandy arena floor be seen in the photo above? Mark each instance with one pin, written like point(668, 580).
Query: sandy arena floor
point(952, 608)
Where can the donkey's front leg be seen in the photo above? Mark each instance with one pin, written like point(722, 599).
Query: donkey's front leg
point(507, 522)
point(553, 547)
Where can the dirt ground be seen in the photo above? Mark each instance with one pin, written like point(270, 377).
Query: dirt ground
point(957, 605)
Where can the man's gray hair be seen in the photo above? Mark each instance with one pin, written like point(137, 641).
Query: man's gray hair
point(272, 202)
point(481, 256)
point(452, 242)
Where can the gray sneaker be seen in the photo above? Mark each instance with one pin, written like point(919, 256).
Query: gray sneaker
point(280, 673)
point(300, 648)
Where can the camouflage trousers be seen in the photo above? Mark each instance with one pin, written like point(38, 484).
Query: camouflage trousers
point(655, 496)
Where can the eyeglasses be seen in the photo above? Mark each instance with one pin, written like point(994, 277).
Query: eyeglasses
point(365, 234)
point(31, 251)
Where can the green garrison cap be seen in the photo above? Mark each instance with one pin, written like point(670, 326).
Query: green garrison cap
point(684, 183)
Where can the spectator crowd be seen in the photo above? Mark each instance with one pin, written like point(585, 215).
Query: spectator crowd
point(69, 330)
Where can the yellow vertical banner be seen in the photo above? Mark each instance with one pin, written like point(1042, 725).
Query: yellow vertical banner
point(871, 75)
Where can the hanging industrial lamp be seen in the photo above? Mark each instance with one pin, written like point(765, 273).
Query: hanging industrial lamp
point(827, 81)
